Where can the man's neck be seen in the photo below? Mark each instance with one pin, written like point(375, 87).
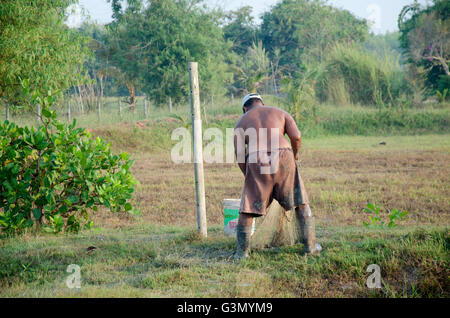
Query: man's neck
point(254, 106)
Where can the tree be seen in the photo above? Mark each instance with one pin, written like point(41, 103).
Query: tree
point(251, 70)
point(425, 38)
point(241, 29)
point(36, 45)
point(55, 175)
point(303, 30)
point(151, 44)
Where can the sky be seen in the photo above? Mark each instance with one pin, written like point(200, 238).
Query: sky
point(382, 13)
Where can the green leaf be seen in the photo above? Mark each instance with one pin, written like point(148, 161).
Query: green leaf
point(46, 113)
point(73, 199)
point(36, 213)
point(128, 206)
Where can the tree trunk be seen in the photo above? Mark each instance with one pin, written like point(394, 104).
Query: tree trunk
point(132, 93)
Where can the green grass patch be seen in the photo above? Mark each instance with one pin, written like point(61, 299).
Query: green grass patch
point(147, 261)
point(326, 120)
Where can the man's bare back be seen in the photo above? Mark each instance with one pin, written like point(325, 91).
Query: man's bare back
point(260, 116)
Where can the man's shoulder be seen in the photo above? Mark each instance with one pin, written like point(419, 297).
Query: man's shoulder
point(276, 110)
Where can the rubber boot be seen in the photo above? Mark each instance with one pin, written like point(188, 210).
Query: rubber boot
point(308, 231)
point(243, 234)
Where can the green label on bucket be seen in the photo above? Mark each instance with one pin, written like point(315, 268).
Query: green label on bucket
point(230, 214)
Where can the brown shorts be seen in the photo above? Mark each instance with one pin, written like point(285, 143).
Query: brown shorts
point(284, 184)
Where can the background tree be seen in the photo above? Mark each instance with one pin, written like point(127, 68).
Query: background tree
point(35, 44)
point(152, 42)
point(303, 30)
point(425, 38)
point(251, 71)
point(241, 29)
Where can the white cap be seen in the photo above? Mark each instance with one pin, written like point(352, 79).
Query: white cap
point(250, 96)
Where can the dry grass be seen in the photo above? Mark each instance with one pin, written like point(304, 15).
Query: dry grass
point(406, 174)
point(158, 253)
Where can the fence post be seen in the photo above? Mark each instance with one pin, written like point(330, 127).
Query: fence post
point(170, 104)
point(145, 107)
point(98, 110)
point(120, 108)
point(198, 151)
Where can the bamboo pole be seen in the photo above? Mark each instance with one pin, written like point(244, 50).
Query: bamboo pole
point(198, 151)
point(145, 107)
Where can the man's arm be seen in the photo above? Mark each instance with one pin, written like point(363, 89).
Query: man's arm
point(294, 134)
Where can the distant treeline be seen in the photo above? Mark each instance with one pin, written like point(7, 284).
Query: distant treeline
point(305, 51)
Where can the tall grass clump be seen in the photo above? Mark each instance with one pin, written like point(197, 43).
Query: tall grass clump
point(353, 75)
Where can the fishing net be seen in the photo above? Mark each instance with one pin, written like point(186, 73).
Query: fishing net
point(277, 228)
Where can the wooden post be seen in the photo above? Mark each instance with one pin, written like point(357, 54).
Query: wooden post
point(98, 110)
point(170, 104)
point(120, 108)
point(197, 147)
point(145, 107)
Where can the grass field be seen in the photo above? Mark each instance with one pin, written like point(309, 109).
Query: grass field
point(158, 254)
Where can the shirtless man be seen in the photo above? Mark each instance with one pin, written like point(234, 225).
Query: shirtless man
point(267, 160)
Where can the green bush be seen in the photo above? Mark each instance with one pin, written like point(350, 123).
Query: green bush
point(55, 174)
point(353, 75)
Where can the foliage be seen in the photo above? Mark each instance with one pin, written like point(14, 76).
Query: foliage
point(152, 45)
point(355, 76)
point(384, 44)
point(442, 96)
point(303, 30)
point(377, 221)
point(55, 174)
point(299, 95)
point(252, 70)
point(37, 45)
point(425, 34)
point(241, 29)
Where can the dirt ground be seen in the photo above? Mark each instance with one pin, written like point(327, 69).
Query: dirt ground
point(339, 185)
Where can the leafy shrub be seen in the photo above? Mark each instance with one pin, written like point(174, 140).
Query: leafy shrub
point(354, 75)
point(377, 221)
point(55, 174)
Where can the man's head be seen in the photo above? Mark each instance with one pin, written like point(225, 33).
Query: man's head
point(251, 100)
